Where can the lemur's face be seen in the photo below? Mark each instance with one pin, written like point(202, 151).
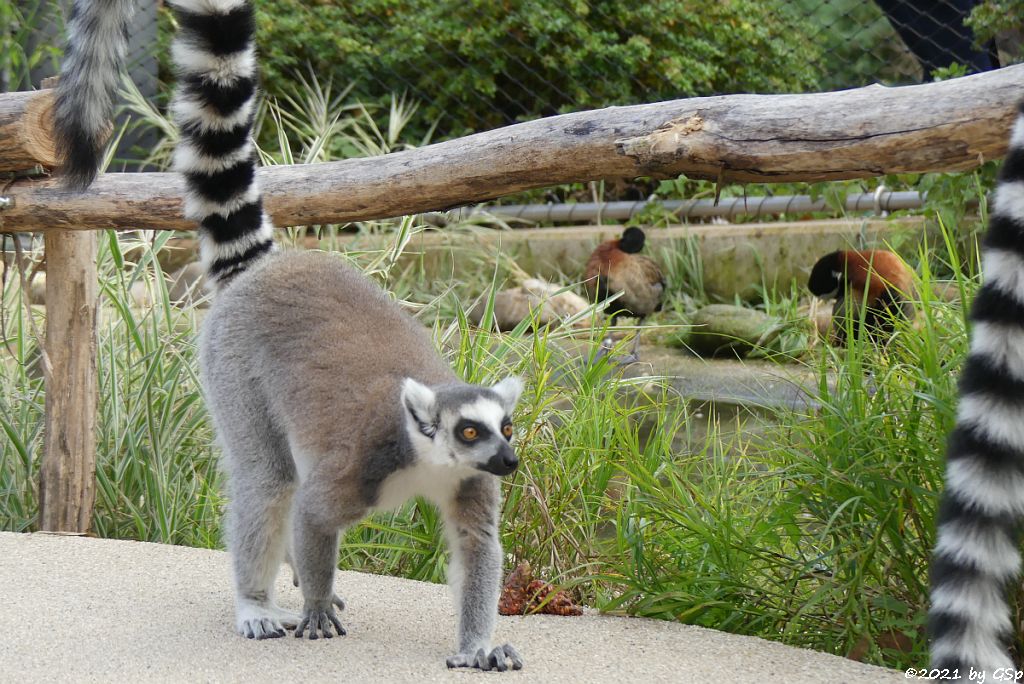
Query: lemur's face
point(463, 425)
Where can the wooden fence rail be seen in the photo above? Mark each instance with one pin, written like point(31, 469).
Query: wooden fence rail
point(865, 132)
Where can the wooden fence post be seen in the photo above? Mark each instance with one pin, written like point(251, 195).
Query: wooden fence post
point(67, 477)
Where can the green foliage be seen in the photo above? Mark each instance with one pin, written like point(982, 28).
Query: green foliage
point(993, 17)
point(21, 412)
point(954, 70)
point(480, 64)
point(23, 46)
point(157, 476)
point(820, 531)
point(958, 202)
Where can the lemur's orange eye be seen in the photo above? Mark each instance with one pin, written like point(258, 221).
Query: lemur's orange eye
point(469, 433)
point(506, 430)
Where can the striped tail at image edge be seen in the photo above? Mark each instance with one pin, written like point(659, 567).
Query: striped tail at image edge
point(977, 556)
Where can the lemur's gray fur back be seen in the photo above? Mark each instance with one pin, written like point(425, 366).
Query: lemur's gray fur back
point(977, 556)
point(96, 48)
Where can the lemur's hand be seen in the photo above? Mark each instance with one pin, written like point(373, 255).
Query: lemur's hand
point(319, 620)
point(495, 660)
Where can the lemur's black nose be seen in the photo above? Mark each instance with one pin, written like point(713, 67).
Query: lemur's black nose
point(503, 462)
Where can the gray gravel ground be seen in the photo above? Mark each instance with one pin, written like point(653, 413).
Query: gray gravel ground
point(85, 610)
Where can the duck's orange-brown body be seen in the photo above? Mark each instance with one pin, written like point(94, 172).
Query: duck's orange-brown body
point(877, 271)
point(876, 279)
point(614, 266)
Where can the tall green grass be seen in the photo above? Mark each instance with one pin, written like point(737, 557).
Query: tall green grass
point(823, 538)
point(21, 410)
point(27, 41)
point(156, 471)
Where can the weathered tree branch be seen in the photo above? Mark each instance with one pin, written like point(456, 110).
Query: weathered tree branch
point(25, 130)
point(946, 126)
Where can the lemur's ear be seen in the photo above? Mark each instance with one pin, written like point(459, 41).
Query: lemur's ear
point(420, 401)
point(509, 390)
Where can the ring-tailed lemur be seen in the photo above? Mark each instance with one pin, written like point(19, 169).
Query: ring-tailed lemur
point(328, 399)
point(976, 556)
point(96, 47)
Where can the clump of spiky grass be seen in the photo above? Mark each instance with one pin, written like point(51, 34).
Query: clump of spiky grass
point(156, 471)
point(21, 406)
point(821, 539)
point(156, 475)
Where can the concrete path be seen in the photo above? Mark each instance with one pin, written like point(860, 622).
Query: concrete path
point(84, 610)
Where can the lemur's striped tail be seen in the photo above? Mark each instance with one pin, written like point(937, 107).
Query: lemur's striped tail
point(977, 556)
point(214, 108)
point(96, 49)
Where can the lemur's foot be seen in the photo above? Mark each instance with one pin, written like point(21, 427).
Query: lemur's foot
point(319, 621)
point(495, 660)
point(288, 618)
point(336, 600)
point(260, 622)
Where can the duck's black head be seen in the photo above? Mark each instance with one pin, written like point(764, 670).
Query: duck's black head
point(827, 274)
point(632, 240)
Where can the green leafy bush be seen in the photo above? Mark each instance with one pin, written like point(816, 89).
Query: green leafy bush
point(477, 64)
